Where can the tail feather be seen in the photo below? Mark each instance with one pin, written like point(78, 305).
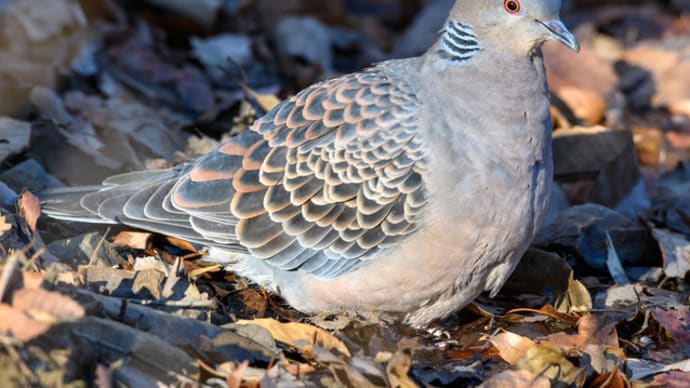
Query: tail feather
point(100, 204)
point(105, 205)
point(142, 200)
point(64, 203)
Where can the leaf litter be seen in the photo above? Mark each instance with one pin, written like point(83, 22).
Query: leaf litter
point(89, 89)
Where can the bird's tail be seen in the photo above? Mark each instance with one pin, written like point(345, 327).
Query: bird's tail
point(65, 204)
point(91, 203)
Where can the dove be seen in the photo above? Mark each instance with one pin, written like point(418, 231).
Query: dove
point(407, 188)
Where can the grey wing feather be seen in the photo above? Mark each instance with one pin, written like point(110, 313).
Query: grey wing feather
point(322, 183)
point(326, 180)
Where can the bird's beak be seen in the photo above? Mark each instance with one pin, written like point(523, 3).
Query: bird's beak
point(560, 32)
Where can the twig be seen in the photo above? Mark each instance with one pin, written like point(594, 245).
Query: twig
point(92, 258)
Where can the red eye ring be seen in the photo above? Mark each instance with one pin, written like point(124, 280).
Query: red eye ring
point(512, 6)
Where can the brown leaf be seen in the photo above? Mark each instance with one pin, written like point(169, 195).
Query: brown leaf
point(648, 144)
point(13, 279)
point(517, 379)
point(599, 341)
point(135, 240)
point(4, 225)
point(511, 347)
point(549, 360)
point(48, 304)
point(29, 208)
point(253, 301)
point(584, 87)
point(671, 379)
point(181, 244)
point(585, 103)
point(613, 379)
point(679, 139)
point(399, 365)
point(592, 72)
point(589, 332)
point(576, 300)
point(669, 69)
point(299, 335)
point(266, 101)
point(234, 378)
point(548, 311)
point(299, 369)
point(16, 324)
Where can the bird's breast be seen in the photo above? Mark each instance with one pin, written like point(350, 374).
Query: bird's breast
point(489, 175)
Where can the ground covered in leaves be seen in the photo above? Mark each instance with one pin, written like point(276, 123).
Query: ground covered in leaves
point(93, 88)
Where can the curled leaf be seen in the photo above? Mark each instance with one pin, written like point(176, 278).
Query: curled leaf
point(299, 335)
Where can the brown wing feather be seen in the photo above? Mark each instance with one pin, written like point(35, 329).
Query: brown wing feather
point(321, 183)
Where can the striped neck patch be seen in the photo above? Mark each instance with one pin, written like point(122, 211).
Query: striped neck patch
point(459, 42)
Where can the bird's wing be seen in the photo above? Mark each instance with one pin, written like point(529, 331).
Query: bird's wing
point(320, 184)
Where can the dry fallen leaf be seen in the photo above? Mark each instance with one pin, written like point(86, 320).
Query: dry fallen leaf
point(511, 347)
point(648, 144)
point(299, 369)
point(266, 101)
point(675, 250)
point(671, 379)
point(614, 379)
point(136, 240)
point(585, 87)
point(591, 73)
point(234, 378)
point(677, 323)
point(517, 379)
point(181, 244)
point(47, 305)
point(669, 69)
point(399, 365)
point(589, 332)
point(585, 103)
point(4, 225)
point(29, 207)
point(299, 335)
point(549, 360)
point(576, 300)
point(547, 311)
point(16, 324)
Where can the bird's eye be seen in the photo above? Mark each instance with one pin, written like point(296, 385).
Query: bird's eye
point(512, 6)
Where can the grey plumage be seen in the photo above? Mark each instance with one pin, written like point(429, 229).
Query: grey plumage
point(409, 187)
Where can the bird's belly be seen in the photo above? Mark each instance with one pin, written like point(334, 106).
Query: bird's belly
point(462, 250)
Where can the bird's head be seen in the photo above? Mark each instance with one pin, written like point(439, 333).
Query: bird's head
point(517, 25)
